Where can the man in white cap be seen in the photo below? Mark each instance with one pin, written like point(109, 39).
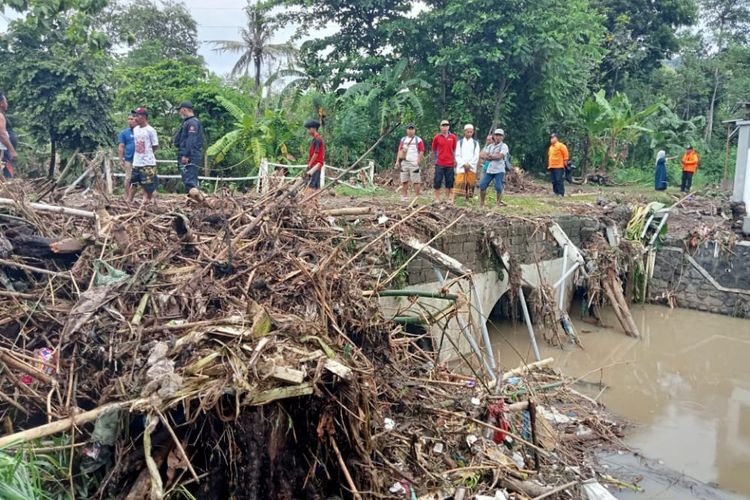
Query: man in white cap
point(467, 157)
point(495, 153)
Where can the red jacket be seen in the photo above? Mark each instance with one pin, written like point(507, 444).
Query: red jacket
point(317, 152)
point(445, 149)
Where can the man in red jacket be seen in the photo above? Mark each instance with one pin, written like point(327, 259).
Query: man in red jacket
point(444, 149)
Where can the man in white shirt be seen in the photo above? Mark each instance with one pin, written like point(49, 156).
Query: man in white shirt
point(467, 158)
point(408, 160)
point(496, 154)
point(144, 161)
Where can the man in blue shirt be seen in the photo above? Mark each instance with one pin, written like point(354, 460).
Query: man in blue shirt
point(126, 149)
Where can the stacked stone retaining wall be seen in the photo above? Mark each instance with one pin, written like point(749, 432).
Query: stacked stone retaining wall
point(709, 278)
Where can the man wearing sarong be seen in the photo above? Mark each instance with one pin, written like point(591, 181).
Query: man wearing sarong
point(467, 158)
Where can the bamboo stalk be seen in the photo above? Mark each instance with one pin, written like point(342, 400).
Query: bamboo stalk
point(43, 207)
point(345, 470)
point(60, 425)
point(11, 263)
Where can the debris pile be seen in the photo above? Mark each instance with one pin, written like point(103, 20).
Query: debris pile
point(229, 349)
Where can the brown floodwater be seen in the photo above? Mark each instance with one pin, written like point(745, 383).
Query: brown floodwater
point(685, 385)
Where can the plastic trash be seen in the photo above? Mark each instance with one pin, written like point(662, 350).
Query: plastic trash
point(476, 401)
point(438, 448)
point(595, 491)
point(112, 275)
point(389, 424)
point(518, 460)
point(499, 495)
point(471, 439)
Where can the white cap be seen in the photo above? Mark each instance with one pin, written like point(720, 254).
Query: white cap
point(499, 131)
point(468, 126)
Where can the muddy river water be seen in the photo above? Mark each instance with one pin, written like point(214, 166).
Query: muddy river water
point(685, 386)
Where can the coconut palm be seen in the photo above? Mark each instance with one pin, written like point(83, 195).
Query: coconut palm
point(254, 47)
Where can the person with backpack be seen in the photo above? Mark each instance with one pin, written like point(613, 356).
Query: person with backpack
point(497, 154)
point(408, 159)
point(467, 157)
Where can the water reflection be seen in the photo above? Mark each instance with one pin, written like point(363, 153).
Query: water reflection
point(686, 384)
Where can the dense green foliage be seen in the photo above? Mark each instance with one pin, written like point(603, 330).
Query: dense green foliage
point(617, 79)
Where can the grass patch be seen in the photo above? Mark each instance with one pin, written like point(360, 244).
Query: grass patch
point(375, 192)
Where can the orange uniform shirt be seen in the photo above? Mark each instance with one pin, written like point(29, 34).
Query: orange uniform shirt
point(557, 155)
point(690, 161)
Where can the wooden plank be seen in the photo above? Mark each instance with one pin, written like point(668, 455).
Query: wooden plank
point(436, 256)
point(287, 374)
point(339, 369)
point(293, 391)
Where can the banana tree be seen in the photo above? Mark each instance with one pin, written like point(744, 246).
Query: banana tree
point(255, 136)
point(611, 126)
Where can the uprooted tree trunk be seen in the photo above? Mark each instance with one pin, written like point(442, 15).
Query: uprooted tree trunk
point(613, 290)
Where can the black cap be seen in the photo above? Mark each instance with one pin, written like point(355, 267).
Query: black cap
point(312, 124)
point(690, 147)
point(185, 104)
point(410, 125)
point(140, 111)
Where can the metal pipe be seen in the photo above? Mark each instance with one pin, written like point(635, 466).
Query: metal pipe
point(561, 291)
point(567, 273)
point(467, 335)
point(529, 327)
point(658, 229)
point(483, 324)
point(416, 293)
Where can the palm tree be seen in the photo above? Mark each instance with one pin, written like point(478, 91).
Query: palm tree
point(255, 47)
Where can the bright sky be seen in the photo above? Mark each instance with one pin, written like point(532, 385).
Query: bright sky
point(217, 20)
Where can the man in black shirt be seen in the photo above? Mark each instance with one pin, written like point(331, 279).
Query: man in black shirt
point(189, 143)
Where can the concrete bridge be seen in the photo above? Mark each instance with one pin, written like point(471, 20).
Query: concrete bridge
point(710, 278)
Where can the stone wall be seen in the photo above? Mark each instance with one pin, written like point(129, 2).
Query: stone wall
point(707, 279)
point(526, 241)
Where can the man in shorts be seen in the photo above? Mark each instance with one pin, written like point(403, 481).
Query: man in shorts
point(408, 159)
point(144, 161)
point(315, 157)
point(126, 149)
point(444, 149)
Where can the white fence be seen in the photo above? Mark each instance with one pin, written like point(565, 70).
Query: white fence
point(266, 172)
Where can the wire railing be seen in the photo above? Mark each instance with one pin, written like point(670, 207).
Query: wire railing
point(267, 172)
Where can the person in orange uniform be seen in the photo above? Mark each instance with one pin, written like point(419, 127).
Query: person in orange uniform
point(690, 162)
point(557, 159)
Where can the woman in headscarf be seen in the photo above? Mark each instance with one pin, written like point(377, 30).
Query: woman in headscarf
point(660, 183)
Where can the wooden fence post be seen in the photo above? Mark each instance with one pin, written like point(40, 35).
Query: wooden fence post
point(261, 186)
point(371, 172)
point(108, 173)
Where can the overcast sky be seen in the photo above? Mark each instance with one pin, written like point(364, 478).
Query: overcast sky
point(217, 20)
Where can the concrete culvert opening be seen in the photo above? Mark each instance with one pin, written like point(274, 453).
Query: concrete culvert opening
point(508, 311)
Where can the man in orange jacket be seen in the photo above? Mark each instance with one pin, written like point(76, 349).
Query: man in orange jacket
point(557, 159)
point(690, 162)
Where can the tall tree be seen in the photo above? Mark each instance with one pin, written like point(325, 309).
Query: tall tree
point(153, 30)
point(255, 47)
point(368, 31)
point(56, 68)
point(641, 34)
point(729, 22)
